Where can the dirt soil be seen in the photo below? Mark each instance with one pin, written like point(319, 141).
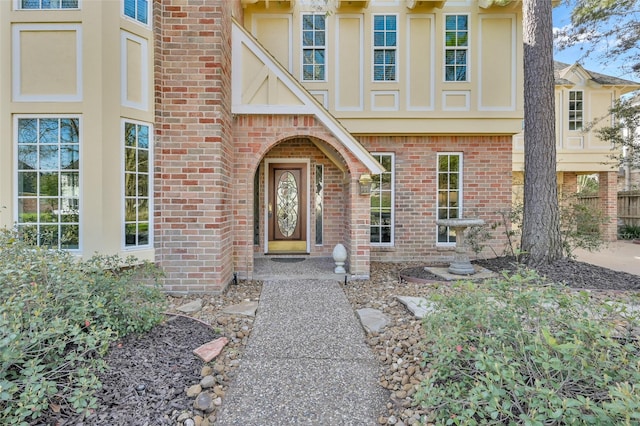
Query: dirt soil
point(147, 375)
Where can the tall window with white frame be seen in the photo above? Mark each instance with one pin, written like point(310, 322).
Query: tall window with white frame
point(449, 199)
point(137, 185)
point(576, 108)
point(49, 181)
point(48, 4)
point(385, 50)
point(456, 51)
point(137, 10)
point(382, 202)
point(314, 47)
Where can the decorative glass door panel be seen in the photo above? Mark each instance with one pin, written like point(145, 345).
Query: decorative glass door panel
point(286, 209)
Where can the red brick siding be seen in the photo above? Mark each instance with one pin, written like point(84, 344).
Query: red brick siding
point(487, 188)
point(193, 151)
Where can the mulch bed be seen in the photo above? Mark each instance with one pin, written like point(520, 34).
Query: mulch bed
point(146, 377)
point(570, 272)
point(148, 374)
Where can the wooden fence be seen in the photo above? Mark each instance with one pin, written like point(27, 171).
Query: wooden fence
point(629, 208)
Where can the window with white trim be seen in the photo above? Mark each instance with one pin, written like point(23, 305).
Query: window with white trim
point(319, 192)
point(47, 4)
point(137, 10)
point(456, 36)
point(314, 47)
point(449, 199)
point(385, 50)
point(48, 181)
point(137, 184)
point(576, 109)
point(382, 202)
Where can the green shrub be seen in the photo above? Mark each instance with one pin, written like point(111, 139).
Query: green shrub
point(629, 232)
point(57, 318)
point(517, 350)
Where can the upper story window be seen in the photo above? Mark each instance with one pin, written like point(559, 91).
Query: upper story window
point(48, 4)
point(456, 49)
point(138, 10)
point(48, 179)
point(384, 47)
point(576, 109)
point(449, 200)
point(314, 47)
point(382, 202)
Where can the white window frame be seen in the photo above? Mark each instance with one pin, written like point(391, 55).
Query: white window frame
point(578, 125)
point(17, 5)
point(459, 189)
point(150, 189)
point(313, 48)
point(319, 202)
point(16, 212)
point(385, 48)
point(135, 19)
point(391, 243)
point(456, 48)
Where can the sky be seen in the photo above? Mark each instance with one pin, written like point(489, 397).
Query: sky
point(562, 18)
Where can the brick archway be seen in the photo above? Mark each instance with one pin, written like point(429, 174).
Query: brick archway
point(257, 138)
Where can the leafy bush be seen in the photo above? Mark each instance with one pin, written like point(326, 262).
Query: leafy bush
point(629, 232)
point(57, 318)
point(519, 351)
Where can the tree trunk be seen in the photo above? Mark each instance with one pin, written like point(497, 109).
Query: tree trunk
point(541, 239)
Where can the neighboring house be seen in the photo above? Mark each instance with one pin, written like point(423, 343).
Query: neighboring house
point(582, 97)
point(204, 134)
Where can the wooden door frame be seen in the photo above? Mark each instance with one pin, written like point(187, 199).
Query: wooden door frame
point(307, 163)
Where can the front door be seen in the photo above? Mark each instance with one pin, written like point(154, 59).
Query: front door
point(287, 208)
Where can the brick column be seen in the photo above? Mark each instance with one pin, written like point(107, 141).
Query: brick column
point(193, 148)
point(608, 193)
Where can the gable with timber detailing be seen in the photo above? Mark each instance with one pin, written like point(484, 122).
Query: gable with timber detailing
point(261, 85)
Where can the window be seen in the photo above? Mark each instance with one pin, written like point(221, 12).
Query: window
point(575, 110)
point(137, 185)
point(449, 200)
point(382, 203)
point(138, 10)
point(319, 202)
point(48, 4)
point(313, 47)
point(456, 47)
point(384, 51)
point(49, 181)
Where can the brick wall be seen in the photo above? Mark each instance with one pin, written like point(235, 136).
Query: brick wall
point(193, 151)
point(268, 136)
point(608, 193)
point(487, 189)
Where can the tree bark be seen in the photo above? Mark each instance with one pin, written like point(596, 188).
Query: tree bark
point(541, 239)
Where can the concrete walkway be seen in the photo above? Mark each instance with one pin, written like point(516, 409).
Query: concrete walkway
point(617, 255)
point(306, 362)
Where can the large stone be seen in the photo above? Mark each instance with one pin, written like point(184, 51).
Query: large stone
point(210, 350)
point(191, 307)
point(204, 402)
point(419, 306)
point(193, 390)
point(373, 320)
point(245, 308)
point(207, 382)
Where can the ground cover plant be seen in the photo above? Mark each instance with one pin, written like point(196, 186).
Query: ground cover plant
point(58, 315)
point(520, 350)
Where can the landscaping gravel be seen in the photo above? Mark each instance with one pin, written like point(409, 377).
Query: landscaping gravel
point(155, 379)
